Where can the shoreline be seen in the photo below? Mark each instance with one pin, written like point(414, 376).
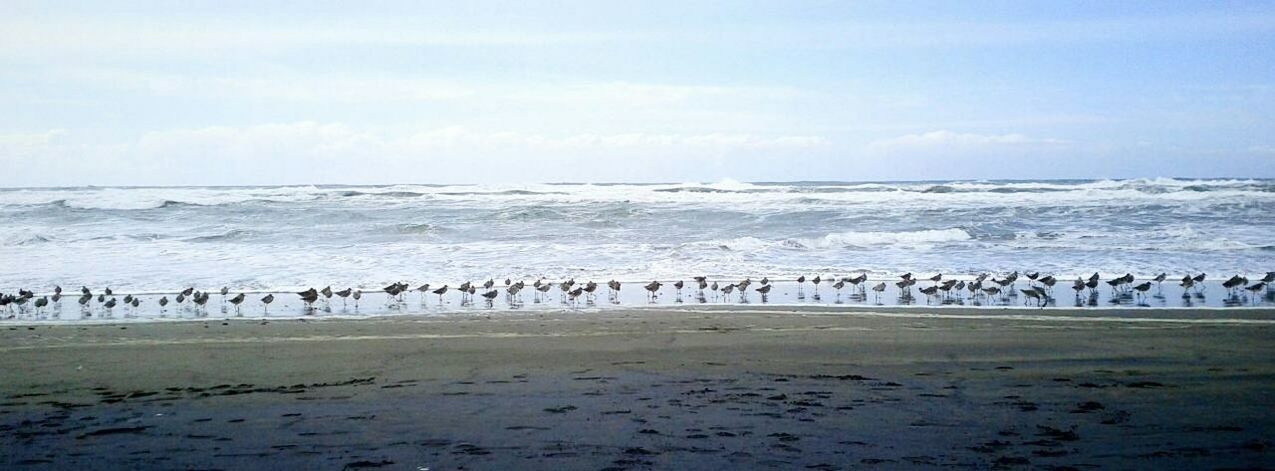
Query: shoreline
point(1258, 315)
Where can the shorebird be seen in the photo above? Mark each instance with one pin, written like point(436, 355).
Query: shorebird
point(1186, 285)
point(726, 291)
point(224, 291)
point(440, 292)
point(1160, 278)
point(1033, 293)
point(84, 300)
point(575, 293)
point(1142, 289)
point(1048, 282)
point(490, 296)
point(801, 282)
point(815, 282)
point(1092, 284)
point(186, 292)
point(1115, 283)
point(764, 290)
point(201, 299)
point(1078, 286)
point(309, 297)
point(40, 303)
point(163, 302)
point(236, 300)
point(345, 293)
point(393, 291)
point(936, 278)
point(765, 281)
point(1256, 288)
point(858, 281)
point(128, 299)
point(543, 290)
point(265, 301)
point(326, 292)
point(489, 283)
point(879, 288)
point(464, 291)
point(57, 296)
point(512, 291)
point(678, 286)
point(930, 291)
point(613, 289)
point(838, 285)
point(589, 288)
point(110, 304)
point(1234, 283)
point(652, 288)
point(358, 294)
point(1269, 278)
point(991, 291)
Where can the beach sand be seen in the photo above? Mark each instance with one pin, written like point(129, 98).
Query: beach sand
point(644, 389)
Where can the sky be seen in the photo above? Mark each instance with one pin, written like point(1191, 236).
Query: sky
point(241, 93)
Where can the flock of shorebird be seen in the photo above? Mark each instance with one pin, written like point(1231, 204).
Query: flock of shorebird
point(1039, 290)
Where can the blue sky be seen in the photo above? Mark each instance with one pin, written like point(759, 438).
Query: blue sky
point(216, 93)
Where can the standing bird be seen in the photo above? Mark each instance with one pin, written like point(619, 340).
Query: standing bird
point(1256, 288)
point(815, 282)
point(1141, 290)
point(652, 288)
point(236, 301)
point(838, 285)
point(878, 289)
point(764, 290)
point(490, 296)
point(265, 301)
point(614, 289)
point(678, 286)
point(936, 278)
point(440, 292)
point(358, 294)
point(345, 293)
point(309, 297)
point(163, 302)
point(40, 303)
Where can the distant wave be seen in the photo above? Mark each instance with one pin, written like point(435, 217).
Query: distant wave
point(234, 234)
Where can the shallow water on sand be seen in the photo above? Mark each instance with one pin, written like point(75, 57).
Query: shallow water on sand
point(784, 294)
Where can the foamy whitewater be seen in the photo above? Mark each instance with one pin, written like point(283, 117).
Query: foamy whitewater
point(263, 238)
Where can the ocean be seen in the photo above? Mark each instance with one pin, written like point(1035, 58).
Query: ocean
point(290, 237)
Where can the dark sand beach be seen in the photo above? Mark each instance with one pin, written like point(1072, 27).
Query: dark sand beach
point(646, 389)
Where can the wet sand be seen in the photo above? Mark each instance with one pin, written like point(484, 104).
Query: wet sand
point(645, 389)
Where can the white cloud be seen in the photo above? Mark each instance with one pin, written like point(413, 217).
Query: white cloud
point(948, 141)
point(311, 152)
